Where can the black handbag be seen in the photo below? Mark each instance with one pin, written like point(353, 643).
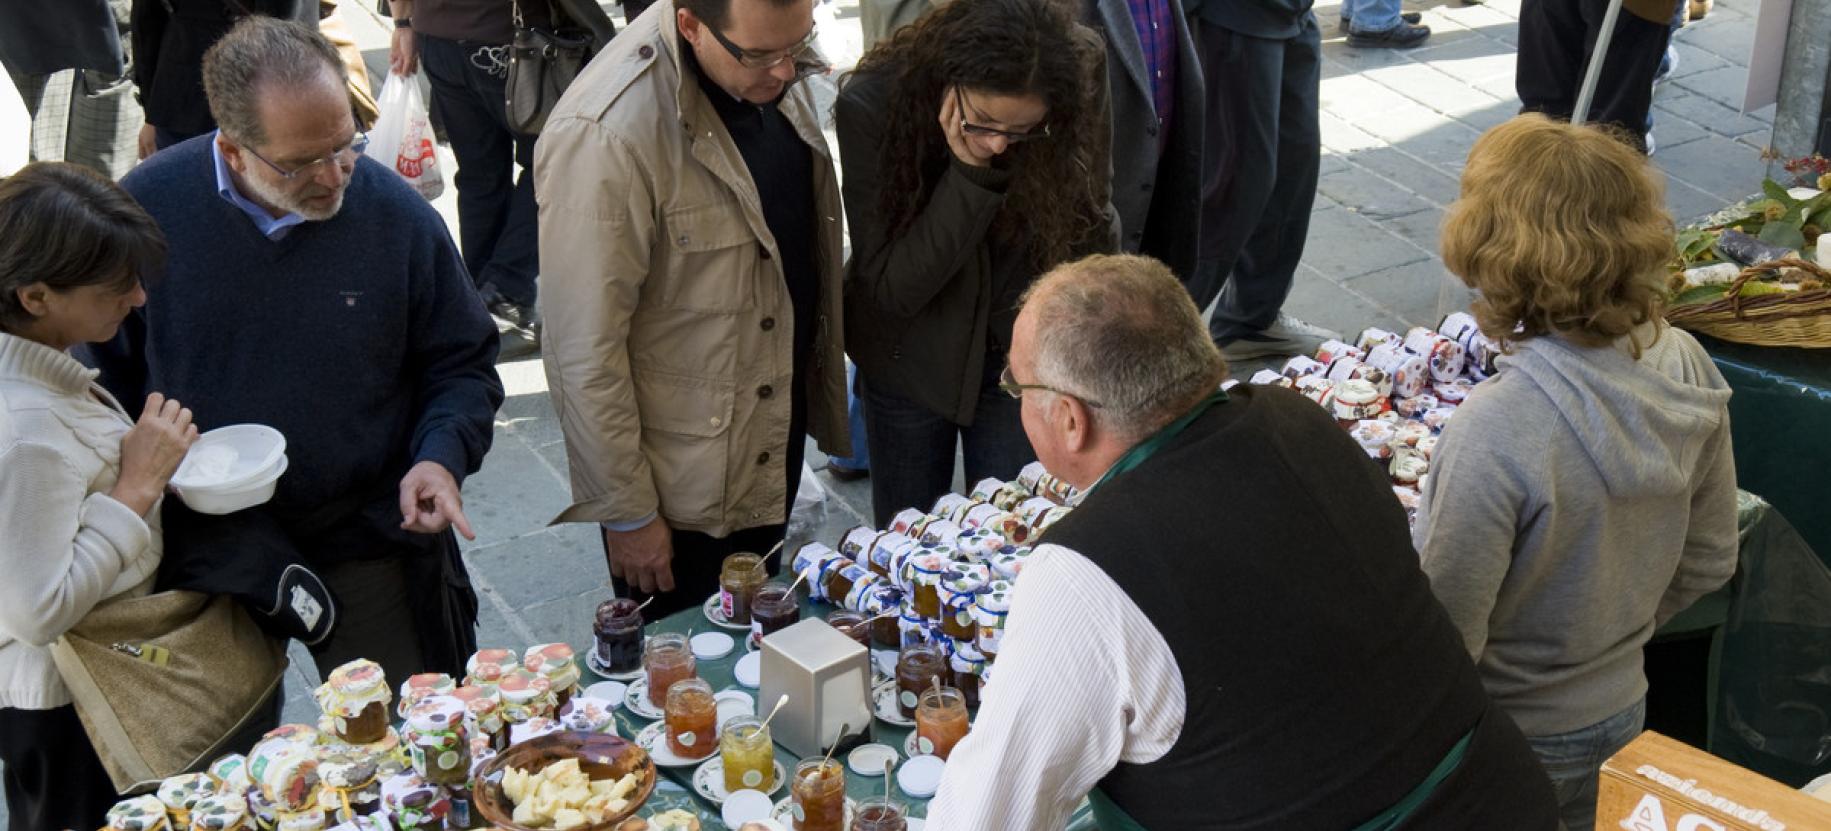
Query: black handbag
point(542, 63)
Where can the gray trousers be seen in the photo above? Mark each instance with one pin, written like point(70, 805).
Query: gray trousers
point(83, 117)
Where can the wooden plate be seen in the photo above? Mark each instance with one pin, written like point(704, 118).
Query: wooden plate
point(601, 756)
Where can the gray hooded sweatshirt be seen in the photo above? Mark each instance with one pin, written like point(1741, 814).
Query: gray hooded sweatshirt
point(1578, 500)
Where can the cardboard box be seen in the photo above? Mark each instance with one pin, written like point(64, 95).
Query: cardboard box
point(1658, 784)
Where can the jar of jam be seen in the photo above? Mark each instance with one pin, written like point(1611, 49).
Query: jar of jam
point(555, 662)
point(140, 813)
point(951, 507)
point(966, 661)
point(590, 715)
point(222, 812)
point(1030, 475)
point(912, 630)
point(483, 715)
point(863, 593)
point(979, 515)
point(525, 696)
point(738, 582)
point(355, 697)
point(349, 786)
point(978, 543)
point(669, 660)
point(488, 666)
point(885, 630)
point(857, 542)
point(436, 741)
point(692, 719)
point(775, 608)
point(812, 560)
point(419, 686)
point(311, 819)
point(918, 668)
point(1009, 496)
point(181, 793)
point(839, 581)
point(415, 805)
point(1012, 528)
point(941, 721)
point(909, 521)
point(928, 569)
point(880, 813)
point(750, 757)
point(942, 531)
point(957, 619)
point(888, 553)
point(1031, 508)
point(852, 625)
point(819, 795)
point(984, 488)
point(617, 635)
point(993, 605)
point(1048, 518)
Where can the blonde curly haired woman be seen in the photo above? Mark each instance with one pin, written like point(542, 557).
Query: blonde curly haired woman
point(1586, 493)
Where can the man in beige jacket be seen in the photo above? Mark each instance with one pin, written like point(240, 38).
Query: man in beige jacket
point(690, 254)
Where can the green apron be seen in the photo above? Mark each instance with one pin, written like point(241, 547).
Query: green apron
point(1109, 816)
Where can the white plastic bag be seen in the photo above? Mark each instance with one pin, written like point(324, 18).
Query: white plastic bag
point(402, 136)
point(810, 511)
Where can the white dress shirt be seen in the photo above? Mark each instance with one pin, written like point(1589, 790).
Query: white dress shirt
point(1082, 681)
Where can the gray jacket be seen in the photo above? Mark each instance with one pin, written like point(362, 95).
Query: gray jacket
point(1157, 192)
point(1578, 500)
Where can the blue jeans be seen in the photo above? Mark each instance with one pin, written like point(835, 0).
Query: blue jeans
point(855, 417)
point(1370, 16)
point(1573, 761)
point(912, 448)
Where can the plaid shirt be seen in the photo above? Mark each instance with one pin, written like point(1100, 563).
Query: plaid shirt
point(1156, 24)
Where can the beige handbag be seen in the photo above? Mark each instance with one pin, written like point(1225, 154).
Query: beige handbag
point(161, 681)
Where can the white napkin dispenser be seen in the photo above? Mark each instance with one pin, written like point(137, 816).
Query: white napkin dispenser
point(827, 677)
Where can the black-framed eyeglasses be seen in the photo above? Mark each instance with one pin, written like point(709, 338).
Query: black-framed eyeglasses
point(346, 155)
point(1008, 383)
point(808, 60)
point(983, 131)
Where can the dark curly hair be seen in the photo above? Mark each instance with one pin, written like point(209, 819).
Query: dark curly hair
point(1000, 47)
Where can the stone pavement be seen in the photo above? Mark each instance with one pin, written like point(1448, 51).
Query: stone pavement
point(1396, 126)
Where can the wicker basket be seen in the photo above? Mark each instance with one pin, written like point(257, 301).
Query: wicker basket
point(1799, 319)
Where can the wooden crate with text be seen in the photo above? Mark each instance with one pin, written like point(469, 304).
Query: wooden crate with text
point(1658, 784)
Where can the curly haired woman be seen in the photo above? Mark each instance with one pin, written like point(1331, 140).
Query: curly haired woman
point(1585, 494)
point(974, 145)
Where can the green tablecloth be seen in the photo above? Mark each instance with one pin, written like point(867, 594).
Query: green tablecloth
point(1780, 422)
point(719, 674)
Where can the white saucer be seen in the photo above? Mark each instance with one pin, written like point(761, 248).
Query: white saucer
point(749, 670)
point(920, 777)
point(748, 806)
point(709, 779)
point(611, 691)
point(734, 703)
point(711, 646)
point(717, 615)
point(635, 699)
point(654, 739)
point(591, 662)
point(883, 701)
point(869, 759)
point(784, 812)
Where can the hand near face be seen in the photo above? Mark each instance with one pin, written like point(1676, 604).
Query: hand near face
point(431, 502)
point(951, 120)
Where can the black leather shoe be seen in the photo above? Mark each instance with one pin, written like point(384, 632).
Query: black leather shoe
point(511, 316)
point(1406, 17)
point(1402, 36)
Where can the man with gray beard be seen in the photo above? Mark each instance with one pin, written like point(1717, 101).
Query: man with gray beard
point(310, 289)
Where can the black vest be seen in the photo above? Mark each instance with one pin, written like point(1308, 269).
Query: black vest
point(1323, 679)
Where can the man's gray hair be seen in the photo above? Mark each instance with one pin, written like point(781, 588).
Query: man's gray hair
point(1120, 331)
point(262, 56)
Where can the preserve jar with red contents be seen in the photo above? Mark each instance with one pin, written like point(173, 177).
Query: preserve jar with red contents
point(885, 631)
point(852, 625)
point(617, 632)
point(880, 814)
point(918, 668)
point(669, 659)
point(775, 608)
point(738, 581)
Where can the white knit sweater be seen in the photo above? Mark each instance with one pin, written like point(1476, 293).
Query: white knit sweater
point(65, 545)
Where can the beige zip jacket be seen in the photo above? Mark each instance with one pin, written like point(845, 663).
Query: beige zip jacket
point(668, 329)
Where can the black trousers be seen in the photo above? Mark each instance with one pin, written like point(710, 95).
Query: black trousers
point(1259, 179)
point(53, 779)
point(1556, 38)
point(496, 209)
point(912, 447)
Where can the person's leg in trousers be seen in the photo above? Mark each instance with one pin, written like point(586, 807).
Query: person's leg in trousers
point(995, 446)
point(1624, 93)
point(912, 452)
point(1554, 43)
point(485, 153)
point(374, 621)
point(1240, 156)
point(859, 462)
point(53, 778)
point(1266, 267)
point(1371, 16)
point(514, 260)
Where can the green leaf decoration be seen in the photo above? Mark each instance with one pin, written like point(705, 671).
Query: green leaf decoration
point(1783, 235)
point(1700, 294)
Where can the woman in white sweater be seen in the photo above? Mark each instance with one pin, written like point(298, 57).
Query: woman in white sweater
point(80, 482)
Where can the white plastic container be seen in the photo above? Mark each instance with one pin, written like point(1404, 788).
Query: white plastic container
point(230, 457)
point(229, 499)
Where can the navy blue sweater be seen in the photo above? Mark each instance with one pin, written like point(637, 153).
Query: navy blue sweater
point(360, 338)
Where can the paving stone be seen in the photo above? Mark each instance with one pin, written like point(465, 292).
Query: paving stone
point(1371, 195)
point(1724, 85)
point(1360, 96)
point(1706, 113)
point(1434, 89)
point(1428, 181)
point(1693, 59)
point(1424, 228)
point(1671, 131)
point(1436, 141)
point(1487, 21)
point(566, 619)
point(1724, 168)
point(1343, 243)
point(1688, 202)
point(529, 417)
point(1489, 117)
point(1339, 136)
point(1472, 60)
point(1324, 302)
point(1409, 292)
point(513, 493)
point(1729, 36)
point(1335, 49)
point(535, 568)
